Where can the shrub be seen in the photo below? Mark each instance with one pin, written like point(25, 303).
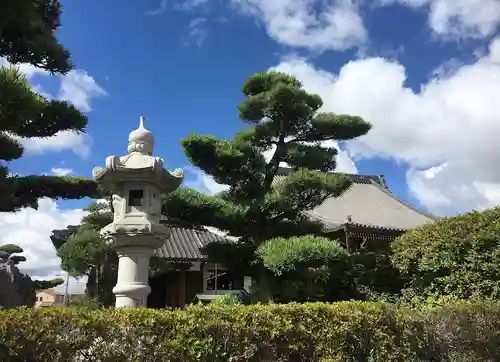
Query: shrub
point(372, 276)
point(282, 255)
point(347, 331)
point(305, 268)
point(456, 256)
point(228, 300)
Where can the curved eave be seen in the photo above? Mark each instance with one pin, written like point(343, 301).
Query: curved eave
point(166, 180)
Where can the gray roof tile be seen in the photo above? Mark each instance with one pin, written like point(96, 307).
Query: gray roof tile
point(185, 243)
point(369, 203)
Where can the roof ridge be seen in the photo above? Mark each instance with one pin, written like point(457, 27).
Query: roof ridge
point(354, 177)
point(403, 202)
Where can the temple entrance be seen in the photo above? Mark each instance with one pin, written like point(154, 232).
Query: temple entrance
point(158, 296)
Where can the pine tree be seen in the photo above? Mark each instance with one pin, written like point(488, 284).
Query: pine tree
point(7, 254)
point(256, 208)
point(262, 213)
point(27, 35)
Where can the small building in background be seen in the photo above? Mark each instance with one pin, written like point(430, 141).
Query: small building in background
point(49, 298)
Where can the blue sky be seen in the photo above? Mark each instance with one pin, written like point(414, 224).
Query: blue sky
point(426, 73)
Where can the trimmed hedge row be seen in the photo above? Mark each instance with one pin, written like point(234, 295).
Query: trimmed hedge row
point(348, 331)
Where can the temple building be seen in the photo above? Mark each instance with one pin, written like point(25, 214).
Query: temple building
point(367, 215)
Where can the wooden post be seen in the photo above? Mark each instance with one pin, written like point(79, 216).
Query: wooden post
point(347, 241)
point(182, 286)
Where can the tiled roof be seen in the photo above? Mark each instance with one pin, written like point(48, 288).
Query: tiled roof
point(185, 243)
point(50, 291)
point(59, 237)
point(368, 202)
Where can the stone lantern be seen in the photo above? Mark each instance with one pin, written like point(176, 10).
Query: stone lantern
point(136, 181)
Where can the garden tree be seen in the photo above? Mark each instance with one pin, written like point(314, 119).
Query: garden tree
point(456, 256)
point(7, 252)
point(83, 252)
point(373, 277)
point(305, 268)
point(285, 118)
point(27, 35)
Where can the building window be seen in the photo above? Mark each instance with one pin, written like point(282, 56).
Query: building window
point(40, 299)
point(135, 198)
point(219, 279)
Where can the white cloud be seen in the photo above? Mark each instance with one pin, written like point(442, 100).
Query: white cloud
point(197, 32)
point(79, 143)
point(345, 163)
point(458, 18)
point(311, 24)
point(78, 88)
point(29, 70)
point(202, 182)
point(58, 171)
point(447, 132)
point(31, 230)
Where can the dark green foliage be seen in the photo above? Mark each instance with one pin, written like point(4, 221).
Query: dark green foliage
point(84, 301)
point(84, 252)
point(199, 209)
point(313, 332)
point(6, 251)
point(283, 116)
point(28, 189)
point(458, 256)
point(59, 237)
point(27, 34)
point(294, 254)
point(304, 267)
point(371, 276)
point(16, 259)
point(48, 284)
point(11, 248)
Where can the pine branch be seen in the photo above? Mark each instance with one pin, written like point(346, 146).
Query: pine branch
point(26, 190)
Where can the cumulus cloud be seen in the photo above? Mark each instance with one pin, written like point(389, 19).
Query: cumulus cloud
point(31, 230)
point(446, 132)
point(198, 180)
point(458, 18)
point(345, 163)
point(79, 143)
point(311, 24)
point(78, 88)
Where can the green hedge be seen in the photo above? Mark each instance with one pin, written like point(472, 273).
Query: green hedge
point(350, 331)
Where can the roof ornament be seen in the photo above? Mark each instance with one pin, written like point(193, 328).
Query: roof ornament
point(349, 219)
point(141, 140)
